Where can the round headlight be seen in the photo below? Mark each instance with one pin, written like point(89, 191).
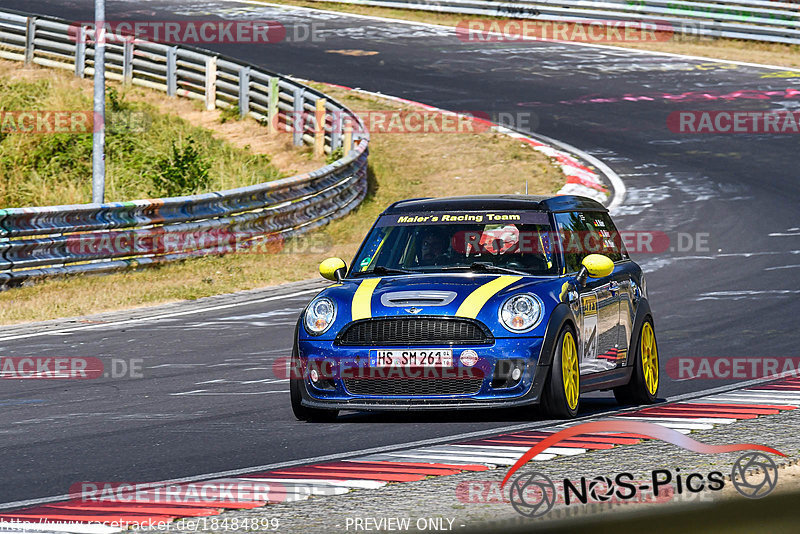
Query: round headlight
point(320, 315)
point(521, 313)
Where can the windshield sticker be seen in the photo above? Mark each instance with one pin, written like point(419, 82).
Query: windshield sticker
point(456, 217)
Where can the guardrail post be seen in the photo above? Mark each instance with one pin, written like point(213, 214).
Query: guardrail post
point(127, 62)
point(80, 51)
point(319, 128)
point(272, 105)
point(336, 130)
point(347, 145)
point(172, 71)
point(298, 117)
point(244, 91)
point(30, 35)
point(211, 83)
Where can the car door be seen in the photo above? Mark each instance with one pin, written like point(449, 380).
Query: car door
point(580, 236)
point(621, 285)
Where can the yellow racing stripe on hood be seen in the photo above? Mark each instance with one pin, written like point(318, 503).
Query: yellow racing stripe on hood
point(362, 299)
point(474, 302)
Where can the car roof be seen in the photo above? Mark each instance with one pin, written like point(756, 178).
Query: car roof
point(497, 202)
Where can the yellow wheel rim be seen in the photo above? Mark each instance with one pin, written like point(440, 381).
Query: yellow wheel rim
point(569, 370)
point(649, 358)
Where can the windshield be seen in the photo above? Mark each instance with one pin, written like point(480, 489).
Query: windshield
point(458, 241)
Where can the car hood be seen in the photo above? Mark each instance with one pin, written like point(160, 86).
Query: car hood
point(471, 295)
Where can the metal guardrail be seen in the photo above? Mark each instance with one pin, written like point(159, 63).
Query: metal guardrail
point(755, 20)
point(46, 241)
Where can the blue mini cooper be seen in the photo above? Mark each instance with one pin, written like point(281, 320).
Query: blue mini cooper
point(478, 302)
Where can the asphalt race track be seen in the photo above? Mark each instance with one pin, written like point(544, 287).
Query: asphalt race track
point(209, 400)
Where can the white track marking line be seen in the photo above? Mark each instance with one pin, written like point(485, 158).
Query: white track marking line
point(204, 393)
point(162, 316)
point(416, 459)
point(263, 380)
point(454, 461)
point(157, 498)
point(563, 451)
point(286, 489)
point(473, 459)
point(762, 400)
point(473, 452)
point(617, 184)
point(677, 419)
point(355, 483)
point(684, 426)
point(773, 393)
point(293, 497)
point(759, 399)
point(488, 456)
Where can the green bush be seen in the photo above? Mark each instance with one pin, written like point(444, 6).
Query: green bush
point(184, 172)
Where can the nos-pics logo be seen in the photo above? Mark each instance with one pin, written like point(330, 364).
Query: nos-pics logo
point(533, 494)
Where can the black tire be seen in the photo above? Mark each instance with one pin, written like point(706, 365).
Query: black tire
point(641, 389)
point(304, 413)
point(554, 397)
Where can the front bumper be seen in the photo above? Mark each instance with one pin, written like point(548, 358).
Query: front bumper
point(493, 388)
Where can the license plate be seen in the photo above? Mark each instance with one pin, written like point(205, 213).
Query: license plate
point(411, 358)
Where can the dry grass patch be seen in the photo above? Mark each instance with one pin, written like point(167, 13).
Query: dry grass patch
point(401, 166)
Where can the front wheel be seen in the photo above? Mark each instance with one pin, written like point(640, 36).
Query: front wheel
point(561, 396)
point(643, 387)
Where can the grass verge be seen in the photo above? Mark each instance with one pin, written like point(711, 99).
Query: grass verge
point(730, 49)
point(154, 146)
point(401, 166)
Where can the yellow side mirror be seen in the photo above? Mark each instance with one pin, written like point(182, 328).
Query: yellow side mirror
point(597, 265)
point(333, 269)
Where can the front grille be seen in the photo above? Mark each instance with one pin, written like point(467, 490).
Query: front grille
point(412, 386)
point(414, 331)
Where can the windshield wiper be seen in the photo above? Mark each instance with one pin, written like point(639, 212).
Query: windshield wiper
point(380, 269)
point(483, 267)
point(479, 266)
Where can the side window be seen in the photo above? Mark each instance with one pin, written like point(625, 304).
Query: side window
point(613, 245)
point(588, 232)
point(571, 226)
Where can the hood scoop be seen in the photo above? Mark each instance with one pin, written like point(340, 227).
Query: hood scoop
point(402, 299)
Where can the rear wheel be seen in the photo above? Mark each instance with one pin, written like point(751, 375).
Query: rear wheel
point(561, 396)
point(643, 387)
point(304, 413)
